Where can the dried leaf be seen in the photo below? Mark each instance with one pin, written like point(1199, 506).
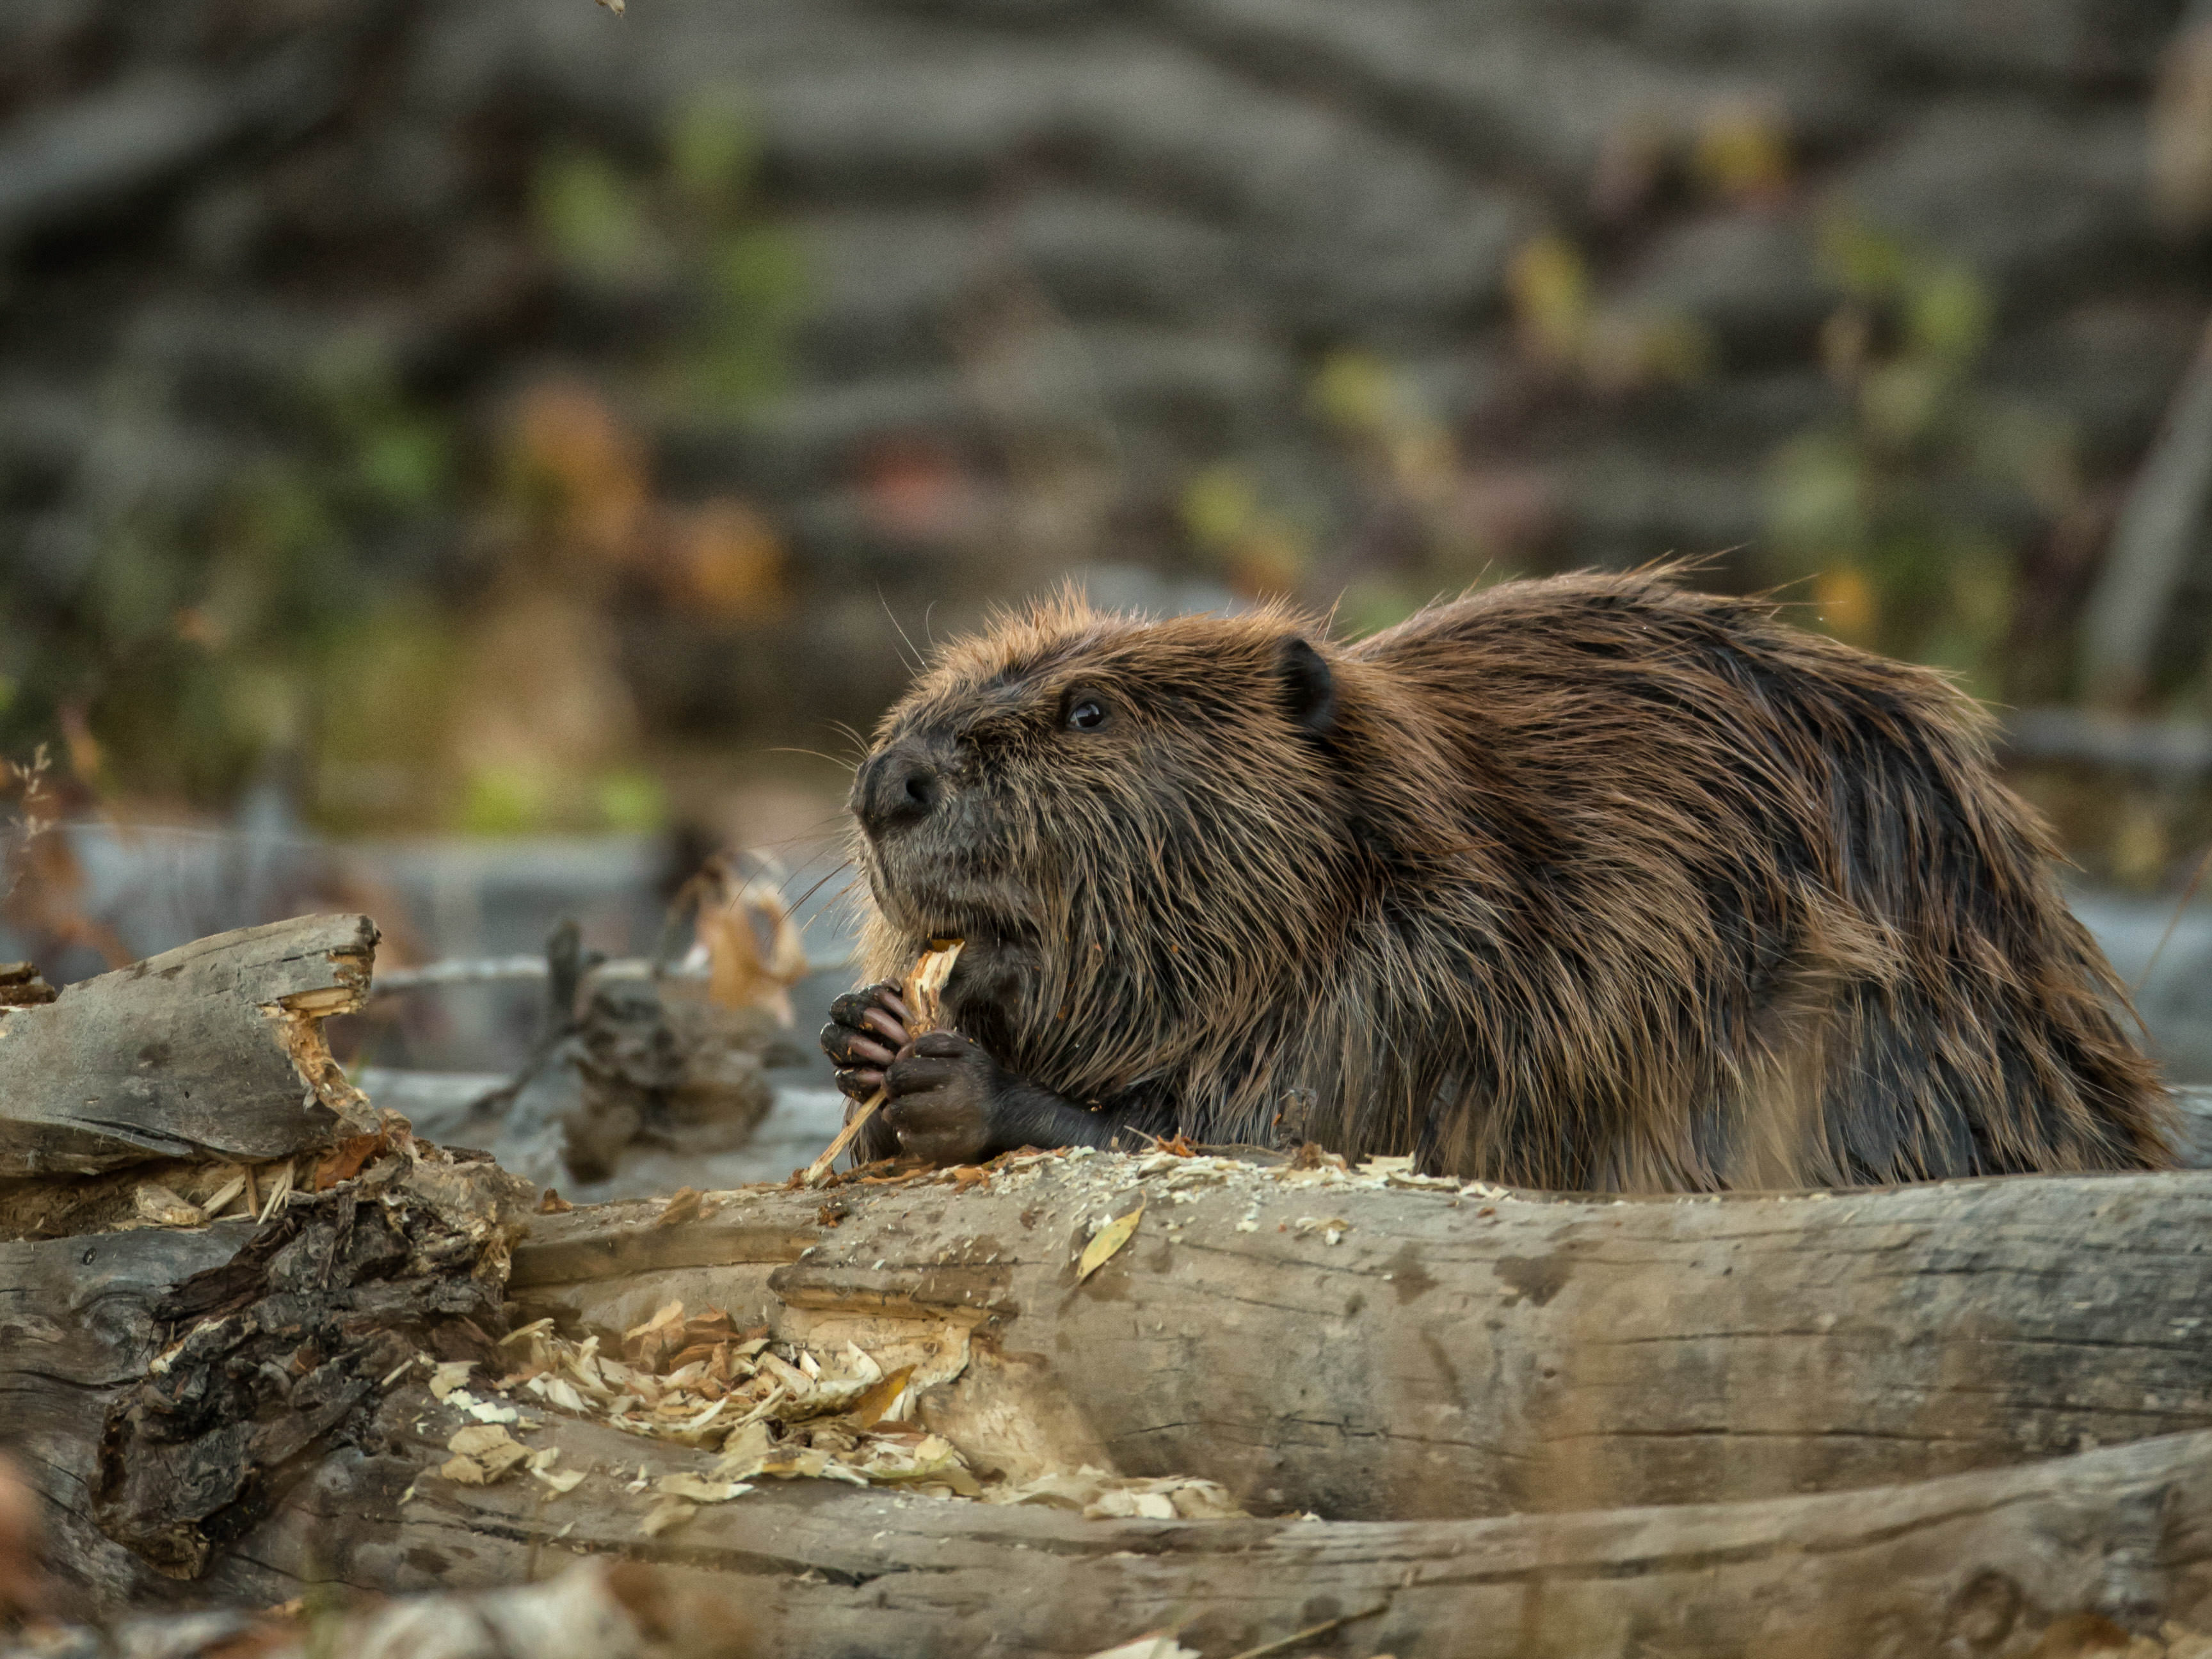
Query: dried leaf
point(1106, 1240)
point(881, 1398)
point(344, 1162)
point(685, 1206)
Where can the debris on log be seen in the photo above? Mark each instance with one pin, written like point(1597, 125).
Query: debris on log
point(1457, 1350)
point(213, 1050)
point(1070, 1398)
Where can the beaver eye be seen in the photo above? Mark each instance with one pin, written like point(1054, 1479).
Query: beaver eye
point(1086, 714)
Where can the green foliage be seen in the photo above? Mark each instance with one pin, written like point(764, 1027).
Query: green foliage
point(1898, 510)
point(205, 633)
point(690, 219)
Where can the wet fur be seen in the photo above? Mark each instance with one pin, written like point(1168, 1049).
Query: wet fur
point(1594, 883)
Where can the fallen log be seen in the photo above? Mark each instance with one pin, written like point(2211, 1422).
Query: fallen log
point(1356, 1344)
point(162, 1387)
point(2071, 1553)
point(213, 1050)
point(1321, 1342)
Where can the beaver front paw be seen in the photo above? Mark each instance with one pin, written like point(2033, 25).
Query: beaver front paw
point(944, 1094)
point(867, 1030)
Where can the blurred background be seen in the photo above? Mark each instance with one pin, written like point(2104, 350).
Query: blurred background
point(470, 460)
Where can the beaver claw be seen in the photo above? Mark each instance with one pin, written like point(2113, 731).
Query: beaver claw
point(866, 1029)
point(943, 1091)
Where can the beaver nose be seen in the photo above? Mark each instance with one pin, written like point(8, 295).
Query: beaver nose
point(899, 787)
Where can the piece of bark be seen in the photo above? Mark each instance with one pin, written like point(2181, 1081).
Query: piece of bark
point(1986, 1564)
point(1462, 1353)
point(213, 1050)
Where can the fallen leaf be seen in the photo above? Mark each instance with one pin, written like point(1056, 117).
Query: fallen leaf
point(1107, 1239)
point(882, 1397)
point(685, 1206)
point(344, 1162)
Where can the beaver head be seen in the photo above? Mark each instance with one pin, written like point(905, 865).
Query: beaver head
point(1129, 820)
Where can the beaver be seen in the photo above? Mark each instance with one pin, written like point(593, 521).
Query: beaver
point(1594, 883)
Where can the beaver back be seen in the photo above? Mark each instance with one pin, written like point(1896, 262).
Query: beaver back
point(1591, 883)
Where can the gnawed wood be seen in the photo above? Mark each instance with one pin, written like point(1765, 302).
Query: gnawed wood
point(1700, 1362)
point(213, 1050)
point(1463, 1353)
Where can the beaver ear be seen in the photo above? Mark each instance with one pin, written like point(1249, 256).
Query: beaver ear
point(1309, 689)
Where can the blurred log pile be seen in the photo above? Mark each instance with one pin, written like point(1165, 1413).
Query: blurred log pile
point(1021, 289)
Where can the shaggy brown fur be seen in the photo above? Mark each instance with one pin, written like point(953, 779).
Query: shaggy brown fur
point(1592, 883)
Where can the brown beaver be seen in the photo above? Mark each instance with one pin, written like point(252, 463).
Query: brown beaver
point(1591, 883)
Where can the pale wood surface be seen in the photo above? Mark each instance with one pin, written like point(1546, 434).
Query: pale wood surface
point(1459, 1354)
point(211, 1050)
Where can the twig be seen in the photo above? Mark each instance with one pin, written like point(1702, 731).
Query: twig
point(846, 1137)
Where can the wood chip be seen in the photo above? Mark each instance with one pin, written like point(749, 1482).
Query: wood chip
point(157, 1204)
point(665, 1516)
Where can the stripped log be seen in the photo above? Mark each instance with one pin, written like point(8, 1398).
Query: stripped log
point(1465, 1354)
point(1456, 1352)
point(213, 1050)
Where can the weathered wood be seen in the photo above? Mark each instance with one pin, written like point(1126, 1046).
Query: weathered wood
point(76, 1328)
point(1979, 1564)
point(1454, 1350)
point(284, 1321)
point(211, 1050)
point(1464, 1354)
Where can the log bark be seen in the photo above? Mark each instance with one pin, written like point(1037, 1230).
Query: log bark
point(1465, 1354)
point(209, 1051)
